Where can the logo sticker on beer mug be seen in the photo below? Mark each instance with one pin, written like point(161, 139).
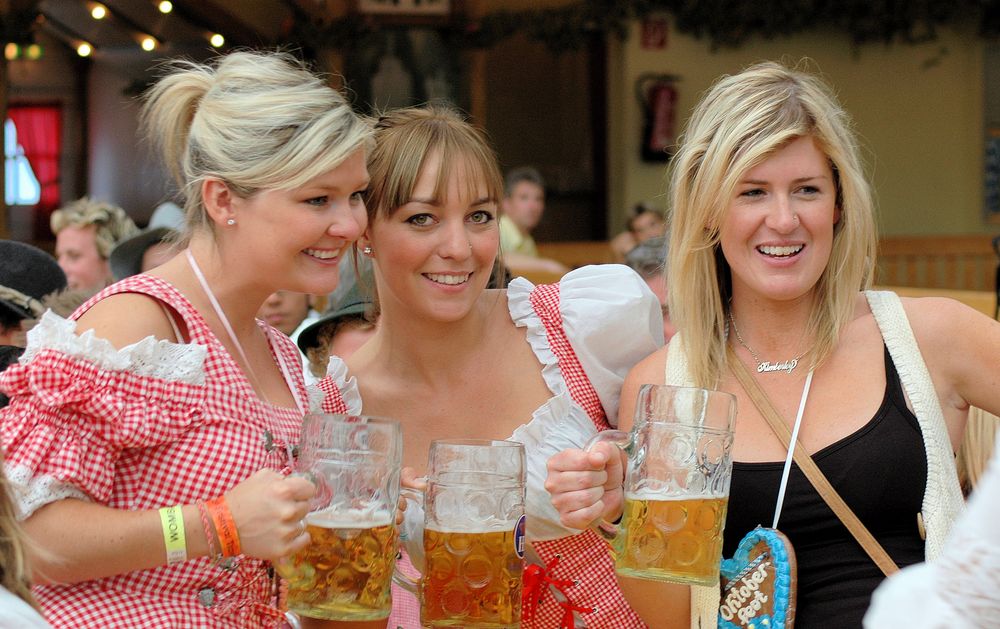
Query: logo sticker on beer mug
point(519, 536)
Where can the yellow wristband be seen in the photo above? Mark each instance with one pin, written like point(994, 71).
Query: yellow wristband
point(172, 520)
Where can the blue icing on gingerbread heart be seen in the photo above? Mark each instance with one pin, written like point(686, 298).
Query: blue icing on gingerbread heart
point(758, 589)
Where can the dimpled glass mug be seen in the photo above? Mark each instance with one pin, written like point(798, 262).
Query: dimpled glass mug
point(472, 550)
point(676, 485)
point(345, 572)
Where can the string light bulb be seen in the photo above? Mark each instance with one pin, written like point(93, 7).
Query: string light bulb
point(217, 40)
point(98, 11)
point(84, 49)
point(165, 6)
point(148, 43)
point(11, 51)
point(33, 52)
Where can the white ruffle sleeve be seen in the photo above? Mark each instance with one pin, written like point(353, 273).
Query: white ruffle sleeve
point(961, 588)
point(608, 298)
point(612, 320)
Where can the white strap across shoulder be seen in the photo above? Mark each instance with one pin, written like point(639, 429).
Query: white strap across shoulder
point(942, 496)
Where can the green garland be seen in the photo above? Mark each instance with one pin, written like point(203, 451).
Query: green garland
point(724, 23)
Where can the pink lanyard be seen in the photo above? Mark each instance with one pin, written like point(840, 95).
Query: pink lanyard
point(232, 335)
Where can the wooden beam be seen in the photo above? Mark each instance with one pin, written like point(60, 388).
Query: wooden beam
point(214, 17)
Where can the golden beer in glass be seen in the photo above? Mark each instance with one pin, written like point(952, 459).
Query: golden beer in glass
point(471, 579)
point(677, 540)
point(471, 549)
point(345, 572)
point(676, 484)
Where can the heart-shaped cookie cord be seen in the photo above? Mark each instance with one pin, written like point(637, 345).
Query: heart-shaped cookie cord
point(758, 583)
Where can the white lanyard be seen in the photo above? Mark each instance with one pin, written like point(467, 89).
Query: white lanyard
point(791, 449)
point(232, 335)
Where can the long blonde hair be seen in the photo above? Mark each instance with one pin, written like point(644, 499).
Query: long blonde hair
point(255, 120)
point(740, 122)
point(14, 569)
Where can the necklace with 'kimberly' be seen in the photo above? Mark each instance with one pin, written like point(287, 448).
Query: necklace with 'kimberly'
point(765, 366)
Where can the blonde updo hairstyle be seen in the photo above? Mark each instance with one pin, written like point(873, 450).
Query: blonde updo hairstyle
point(254, 120)
point(741, 121)
point(111, 223)
point(404, 138)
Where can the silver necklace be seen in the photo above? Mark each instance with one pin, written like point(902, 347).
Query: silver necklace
point(765, 366)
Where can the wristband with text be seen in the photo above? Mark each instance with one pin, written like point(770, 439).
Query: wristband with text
point(172, 521)
point(225, 526)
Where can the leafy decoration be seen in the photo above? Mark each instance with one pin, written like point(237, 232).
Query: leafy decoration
point(724, 23)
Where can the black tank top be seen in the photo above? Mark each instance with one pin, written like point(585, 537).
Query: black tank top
point(880, 471)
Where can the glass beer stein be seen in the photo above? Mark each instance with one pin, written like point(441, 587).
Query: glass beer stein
point(345, 572)
point(472, 547)
point(676, 485)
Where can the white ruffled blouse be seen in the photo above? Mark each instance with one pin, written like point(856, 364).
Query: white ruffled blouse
point(612, 320)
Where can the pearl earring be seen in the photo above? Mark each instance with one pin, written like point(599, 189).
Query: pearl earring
point(231, 222)
point(367, 250)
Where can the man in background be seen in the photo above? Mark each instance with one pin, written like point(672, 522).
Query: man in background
point(86, 232)
point(521, 211)
point(649, 259)
point(27, 276)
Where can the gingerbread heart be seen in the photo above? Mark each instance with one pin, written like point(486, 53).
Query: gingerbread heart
point(758, 583)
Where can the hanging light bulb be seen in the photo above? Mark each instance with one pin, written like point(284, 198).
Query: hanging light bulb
point(98, 11)
point(11, 51)
point(84, 49)
point(217, 40)
point(148, 43)
point(33, 52)
point(165, 6)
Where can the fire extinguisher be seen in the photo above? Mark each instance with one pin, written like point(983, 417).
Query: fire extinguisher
point(658, 97)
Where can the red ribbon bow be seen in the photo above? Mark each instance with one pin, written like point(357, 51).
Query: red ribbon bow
point(537, 581)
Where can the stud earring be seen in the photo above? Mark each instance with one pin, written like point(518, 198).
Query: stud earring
point(231, 221)
point(367, 250)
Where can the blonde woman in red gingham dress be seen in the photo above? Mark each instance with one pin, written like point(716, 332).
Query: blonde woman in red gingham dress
point(165, 391)
point(540, 365)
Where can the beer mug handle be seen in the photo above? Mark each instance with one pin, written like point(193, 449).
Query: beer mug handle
point(609, 530)
point(414, 547)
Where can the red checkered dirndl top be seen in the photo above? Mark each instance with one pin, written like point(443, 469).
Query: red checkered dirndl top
point(138, 442)
point(585, 557)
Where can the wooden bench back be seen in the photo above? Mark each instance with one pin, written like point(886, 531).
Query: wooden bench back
point(577, 253)
point(951, 262)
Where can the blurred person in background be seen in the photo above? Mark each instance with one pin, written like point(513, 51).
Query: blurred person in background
point(86, 231)
point(644, 223)
point(27, 276)
point(521, 210)
point(649, 260)
point(151, 247)
point(346, 324)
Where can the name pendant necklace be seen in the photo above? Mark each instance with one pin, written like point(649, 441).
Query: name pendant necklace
point(765, 366)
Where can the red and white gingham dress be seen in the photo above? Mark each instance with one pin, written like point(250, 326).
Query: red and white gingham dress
point(139, 442)
point(584, 557)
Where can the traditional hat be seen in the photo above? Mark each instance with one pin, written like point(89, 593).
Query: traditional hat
point(126, 257)
point(27, 274)
point(353, 296)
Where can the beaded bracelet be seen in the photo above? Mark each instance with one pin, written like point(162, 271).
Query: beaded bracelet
point(209, 531)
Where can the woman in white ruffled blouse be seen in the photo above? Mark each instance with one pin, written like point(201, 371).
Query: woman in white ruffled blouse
point(451, 359)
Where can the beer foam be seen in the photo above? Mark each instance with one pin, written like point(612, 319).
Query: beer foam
point(349, 518)
point(477, 527)
point(656, 496)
